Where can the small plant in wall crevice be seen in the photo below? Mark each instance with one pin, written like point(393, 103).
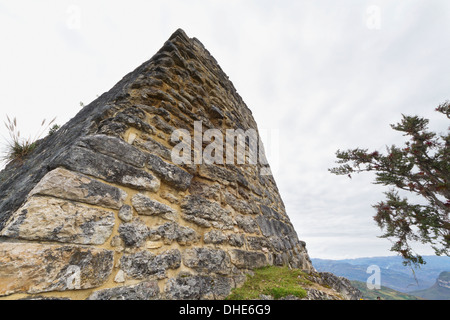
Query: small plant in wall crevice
point(17, 147)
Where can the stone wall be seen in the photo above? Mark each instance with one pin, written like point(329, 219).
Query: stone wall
point(100, 210)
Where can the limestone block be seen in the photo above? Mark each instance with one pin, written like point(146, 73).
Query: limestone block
point(241, 206)
point(236, 240)
point(268, 213)
point(258, 243)
point(134, 234)
point(148, 207)
point(196, 287)
point(163, 125)
point(126, 213)
point(169, 173)
point(107, 168)
point(118, 124)
point(154, 244)
point(172, 231)
point(248, 259)
point(144, 264)
point(150, 145)
point(206, 213)
point(216, 173)
point(146, 290)
point(205, 190)
point(172, 198)
point(154, 110)
point(116, 148)
point(207, 260)
point(42, 298)
point(273, 227)
point(65, 184)
point(51, 219)
point(215, 237)
point(120, 277)
point(44, 267)
point(247, 223)
point(159, 95)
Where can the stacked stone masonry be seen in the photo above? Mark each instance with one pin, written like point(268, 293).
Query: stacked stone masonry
point(108, 215)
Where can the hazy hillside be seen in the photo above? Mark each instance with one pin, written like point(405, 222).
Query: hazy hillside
point(384, 293)
point(393, 273)
point(439, 291)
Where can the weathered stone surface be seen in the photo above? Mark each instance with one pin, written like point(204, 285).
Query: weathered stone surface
point(247, 223)
point(148, 207)
point(120, 277)
point(38, 297)
point(245, 207)
point(65, 184)
point(270, 213)
point(216, 113)
point(236, 240)
point(105, 167)
point(134, 234)
point(52, 219)
point(169, 173)
point(159, 95)
point(144, 264)
point(206, 213)
point(116, 148)
point(273, 227)
point(146, 290)
point(150, 145)
point(339, 284)
point(126, 213)
point(169, 196)
point(44, 268)
point(154, 110)
point(215, 237)
point(259, 243)
point(205, 190)
point(313, 294)
point(216, 173)
point(130, 117)
point(207, 260)
point(163, 125)
point(248, 259)
point(196, 287)
point(172, 231)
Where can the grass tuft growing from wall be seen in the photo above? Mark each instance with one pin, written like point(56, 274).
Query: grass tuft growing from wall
point(17, 147)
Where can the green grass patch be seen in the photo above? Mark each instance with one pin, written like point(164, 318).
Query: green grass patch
point(279, 282)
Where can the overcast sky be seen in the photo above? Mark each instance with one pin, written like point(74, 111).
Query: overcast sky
point(320, 75)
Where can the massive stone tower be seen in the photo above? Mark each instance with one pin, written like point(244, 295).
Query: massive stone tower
point(101, 209)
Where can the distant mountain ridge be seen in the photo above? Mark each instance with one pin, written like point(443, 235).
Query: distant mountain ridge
point(439, 291)
point(384, 293)
point(393, 273)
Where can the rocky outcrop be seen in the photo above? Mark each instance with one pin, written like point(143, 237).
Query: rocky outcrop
point(439, 291)
point(340, 285)
point(443, 280)
point(102, 210)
